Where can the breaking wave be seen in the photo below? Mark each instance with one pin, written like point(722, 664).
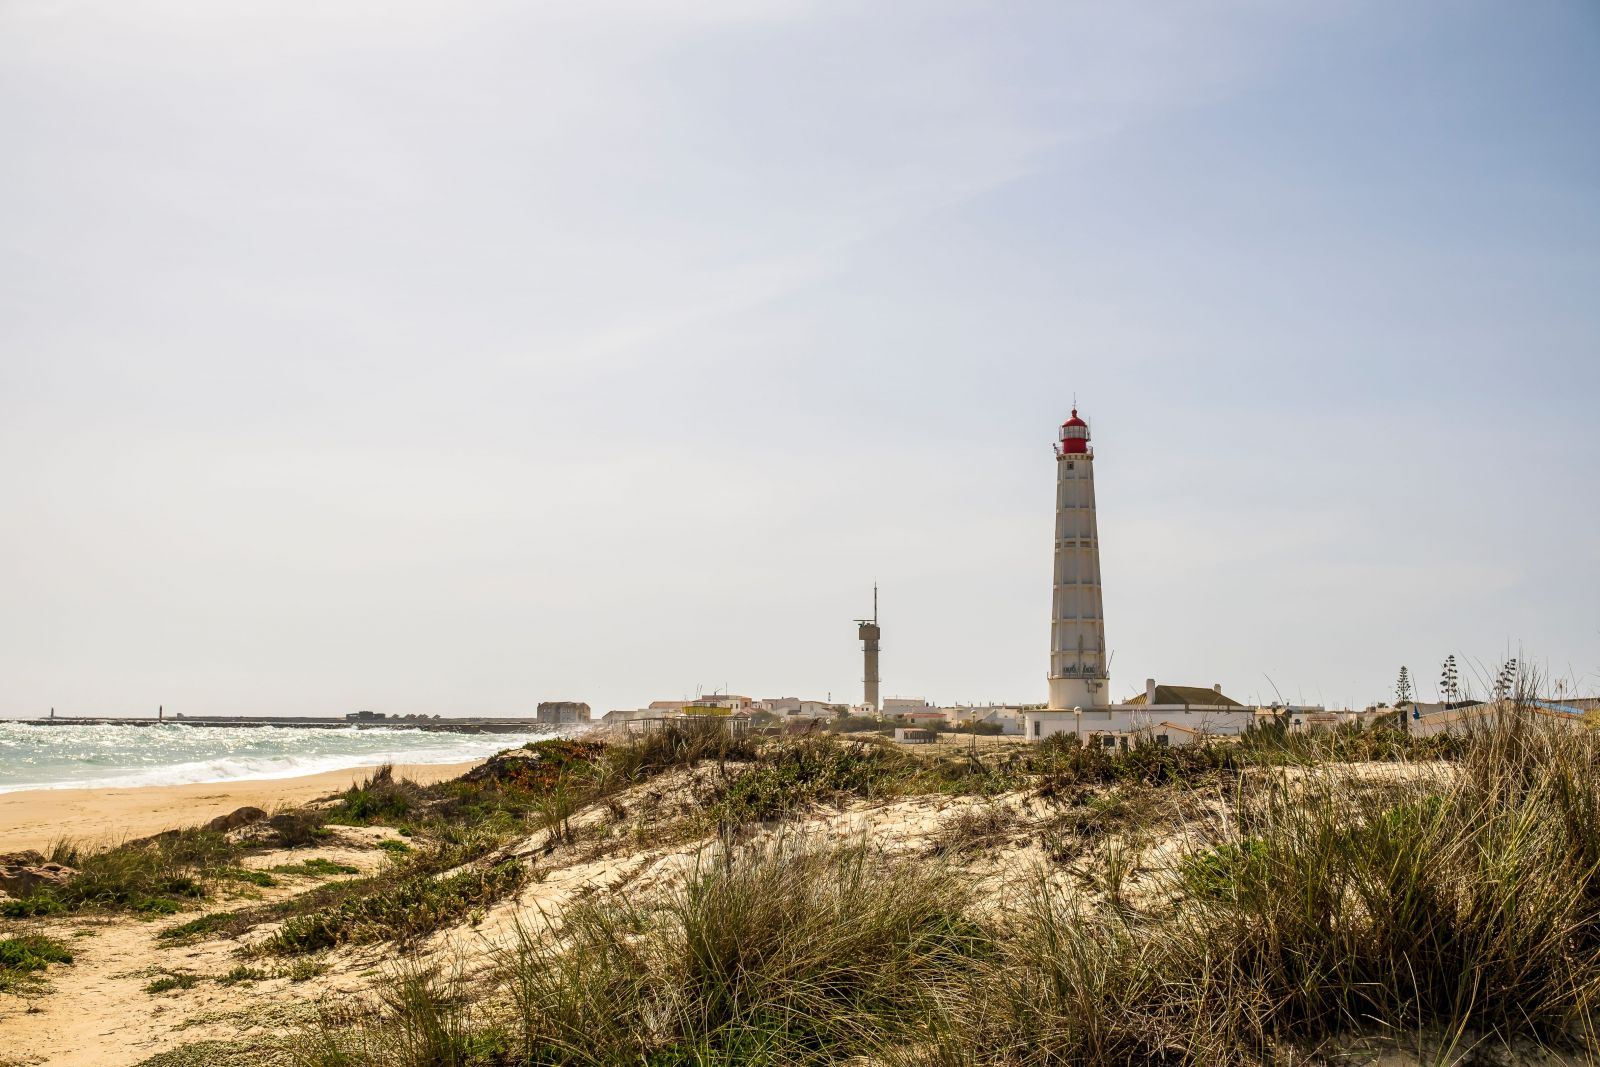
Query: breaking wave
point(121, 757)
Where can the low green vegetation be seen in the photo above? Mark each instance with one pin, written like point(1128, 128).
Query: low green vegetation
point(411, 906)
point(252, 1052)
point(260, 879)
point(802, 773)
point(1331, 887)
point(780, 954)
point(160, 876)
point(168, 982)
point(242, 974)
point(204, 926)
point(1446, 891)
point(31, 907)
point(1219, 873)
point(315, 867)
point(22, 959)
point(380, 799)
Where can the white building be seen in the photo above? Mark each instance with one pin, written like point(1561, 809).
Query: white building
point(617, 716)
point(1009, 719)
point(1190, 711)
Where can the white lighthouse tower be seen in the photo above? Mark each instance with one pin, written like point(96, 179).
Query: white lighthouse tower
point(1078, 676)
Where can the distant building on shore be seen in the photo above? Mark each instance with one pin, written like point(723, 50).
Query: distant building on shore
point(381, 716)
point(562, 712)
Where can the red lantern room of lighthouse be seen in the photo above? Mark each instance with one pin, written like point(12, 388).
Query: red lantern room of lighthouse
point(1074, 440)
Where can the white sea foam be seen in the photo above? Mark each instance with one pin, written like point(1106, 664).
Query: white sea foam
point(86, 756)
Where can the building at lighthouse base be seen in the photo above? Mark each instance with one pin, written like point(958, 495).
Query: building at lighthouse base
point(1162, 714)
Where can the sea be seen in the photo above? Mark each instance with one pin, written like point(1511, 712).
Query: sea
point(108, 756)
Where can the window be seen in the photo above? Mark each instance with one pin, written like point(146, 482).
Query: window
point(1162, 740)
point(1069, 464)
point(1036, 728)
point(1108, 742)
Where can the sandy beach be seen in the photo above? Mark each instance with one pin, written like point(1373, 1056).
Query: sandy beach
point(34, 818)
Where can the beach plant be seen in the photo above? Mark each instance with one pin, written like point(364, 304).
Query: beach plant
point(298, 827)
point(380, 798)
point(242, 973)
point(425, 1016)
point(171, 981)
point(31, 906)
point(316, 867)
point(412, 906)
point(157, 876)
point(790, 952)
point(250, 876)
point(22, 958)
point(791, 775)
point(203, 926)
point(1440, 903)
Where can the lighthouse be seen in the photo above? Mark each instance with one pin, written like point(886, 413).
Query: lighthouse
point(1078, 677)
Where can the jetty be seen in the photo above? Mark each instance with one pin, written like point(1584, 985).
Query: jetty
point(361, 720)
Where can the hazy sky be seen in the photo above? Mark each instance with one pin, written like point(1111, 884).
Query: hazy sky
point(451, 357)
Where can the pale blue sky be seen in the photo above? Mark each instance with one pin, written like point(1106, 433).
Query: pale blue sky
point(448, 358)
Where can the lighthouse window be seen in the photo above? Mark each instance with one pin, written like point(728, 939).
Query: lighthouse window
point(1069, 464)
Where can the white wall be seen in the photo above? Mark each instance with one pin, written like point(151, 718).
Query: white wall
point(1129, 718)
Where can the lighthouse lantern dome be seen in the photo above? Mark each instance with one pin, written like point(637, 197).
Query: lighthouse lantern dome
point(1074, 436)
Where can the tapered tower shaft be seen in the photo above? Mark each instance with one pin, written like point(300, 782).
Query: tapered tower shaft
point(1078, 675)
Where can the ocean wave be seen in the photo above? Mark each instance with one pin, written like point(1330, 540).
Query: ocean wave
point(117, 757)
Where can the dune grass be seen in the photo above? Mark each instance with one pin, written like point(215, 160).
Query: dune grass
point(413, 905)
point(159, 876)
point(1455, 901)
point(784, 953)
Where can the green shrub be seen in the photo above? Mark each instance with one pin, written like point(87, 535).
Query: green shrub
point(151, 876)
point(156, 906)
point(261, 879)
point(28, 907)
point(792, 775)
point(316, 867)
point(1226, 871)
point(195, 928)
point(300, 828)
point(381, 798)
point(171, 982)
point(417, 904)
point(242, 973)
point(22, 958)
point(677, 743)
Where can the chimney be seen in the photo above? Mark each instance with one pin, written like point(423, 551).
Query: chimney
point(1149, 691)
point(1217, 689)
